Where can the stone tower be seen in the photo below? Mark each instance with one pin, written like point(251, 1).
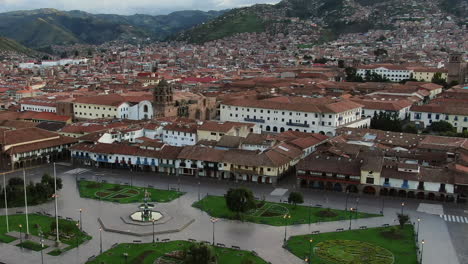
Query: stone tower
point(162, 98)
point(456, 68)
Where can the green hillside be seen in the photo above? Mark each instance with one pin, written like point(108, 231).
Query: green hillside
point(44, 27)
point(236, 21)
point(11, 45)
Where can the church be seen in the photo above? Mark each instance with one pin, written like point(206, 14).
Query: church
point(170, 103)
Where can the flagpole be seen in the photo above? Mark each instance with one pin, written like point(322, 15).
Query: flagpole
point(6, 203)
point(26, 203)
point(56, 206)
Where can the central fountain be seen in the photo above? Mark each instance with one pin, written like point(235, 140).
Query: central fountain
point(146, 212)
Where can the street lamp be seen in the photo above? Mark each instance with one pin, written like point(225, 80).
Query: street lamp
point(417, 230)
point(198, 191)
point(310, 251)
point(383, 204)
point(357, 205)
point(153, 229)
point(402, 207)
point(346, 204)
point(422, 249)
point(126, 257)
point(100, 240)
point(81, 222)
point(214, 220)
point(286, 217)
point(42, 244)
point(350, 216)
point(21, 234)
point(76, 236)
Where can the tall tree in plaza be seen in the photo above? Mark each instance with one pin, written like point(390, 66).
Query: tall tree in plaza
point(200, 253)
point(351, 75)
point(295, 198)
point(437, 79)
point(386, 121)
point(240, 200)
point(442, 126)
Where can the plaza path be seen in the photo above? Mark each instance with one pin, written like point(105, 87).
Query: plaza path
point(265, 240)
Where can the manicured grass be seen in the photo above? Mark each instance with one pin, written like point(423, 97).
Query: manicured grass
point(41, 222)
point(31, 245)
point(124, 194)
point(367, 246)
point(148, 253)
point(6, 238)
point(273, 213)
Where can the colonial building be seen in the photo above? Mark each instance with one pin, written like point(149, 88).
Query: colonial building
point(394, 73)
point(279, 114)
point(457, 115)
point(32, 146)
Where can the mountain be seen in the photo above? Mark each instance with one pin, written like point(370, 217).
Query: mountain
point(333, 17)
point(11, 45)
point(45, 27)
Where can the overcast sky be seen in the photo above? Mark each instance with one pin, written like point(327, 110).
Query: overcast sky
point(128, 6)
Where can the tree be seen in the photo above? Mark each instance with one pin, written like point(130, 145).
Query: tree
point(76, 53)
point(341, 64)
point(321, 60)
point(200, 253)
point(375, 77)
point(437, 79)
point(63, 55)
point(386, 121)
point(240, 200)
point(410, 129)
point(295, 198)
point(49, 180)
point(351, 75)
point(402, 219)
point(441, 126)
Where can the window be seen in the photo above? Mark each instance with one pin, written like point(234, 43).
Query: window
point(370, 180)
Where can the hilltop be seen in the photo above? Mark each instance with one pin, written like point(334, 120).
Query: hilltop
point(331, 17)
point(10, 45)
point(45, 27)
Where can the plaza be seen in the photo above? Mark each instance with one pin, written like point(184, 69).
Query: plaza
point(266, 240)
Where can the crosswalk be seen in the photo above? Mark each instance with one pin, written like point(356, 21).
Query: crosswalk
point(455, 218)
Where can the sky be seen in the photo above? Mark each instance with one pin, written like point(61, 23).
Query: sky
point(128, 7)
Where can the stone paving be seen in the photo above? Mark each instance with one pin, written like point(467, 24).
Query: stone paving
point(265, 240)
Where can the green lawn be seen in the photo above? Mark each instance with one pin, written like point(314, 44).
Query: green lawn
point(123, 193)
point(272, 213)
point(148, 253)
point(31, 245)
point(369, 246)
point(40, 222)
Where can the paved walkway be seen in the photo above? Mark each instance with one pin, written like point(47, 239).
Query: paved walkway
point(265, 240)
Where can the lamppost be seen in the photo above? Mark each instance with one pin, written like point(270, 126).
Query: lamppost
point(76, 236)
point(214, 220)
point(81, 222)
point(346, 204)
point(422, 250)
point(357, 205)
point(383, 203)
point(21, 235)
point(350, 216)
point(41, 235)
point(417, 230)
point(125, 256)
point(100, 240)
point(153, 229)
point(402, 207)
point(57, 242)
point(310, 251)
point(286, 217)
point(6, 203)
point(198, 191)
point(310, 207)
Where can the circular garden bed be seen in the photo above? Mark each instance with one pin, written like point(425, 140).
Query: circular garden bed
point(353, 252)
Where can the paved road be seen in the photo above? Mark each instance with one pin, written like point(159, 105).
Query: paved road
point(266, 240)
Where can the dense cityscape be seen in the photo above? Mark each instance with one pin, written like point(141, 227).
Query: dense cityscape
point(321, 131)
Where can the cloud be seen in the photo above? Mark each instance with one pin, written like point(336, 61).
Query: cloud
point(128, 7)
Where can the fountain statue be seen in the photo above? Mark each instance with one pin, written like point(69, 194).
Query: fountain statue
point(146, 213)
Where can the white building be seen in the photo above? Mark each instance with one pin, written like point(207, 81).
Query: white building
point(394, 73)
point(51, 63)
point(113, 106)
point(279, 114)
point(180, 134)
point(424, 115)
point(373, 107)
